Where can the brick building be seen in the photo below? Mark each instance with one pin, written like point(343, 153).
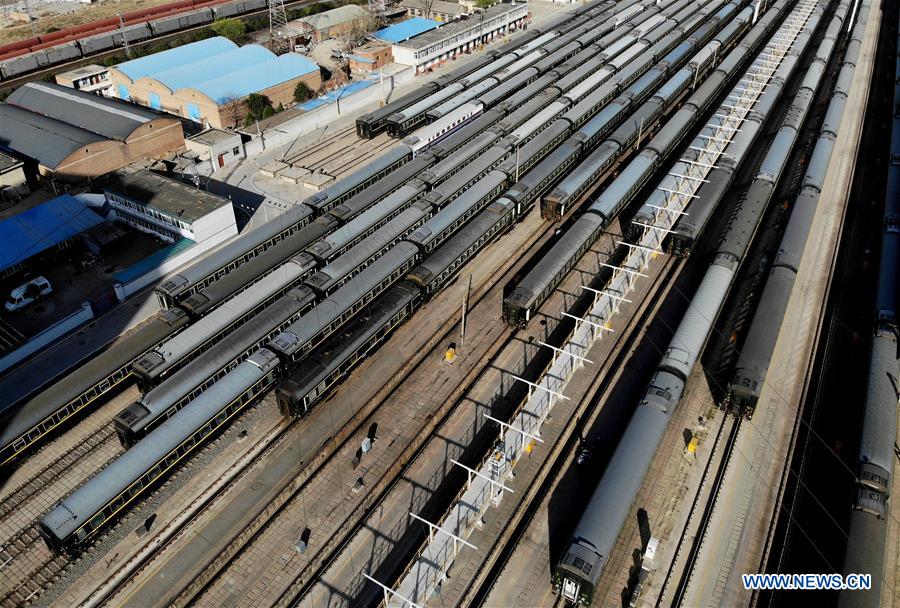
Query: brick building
point(72, 134)
point(209, 81)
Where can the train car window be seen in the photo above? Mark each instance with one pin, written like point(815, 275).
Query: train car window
point(96, 521)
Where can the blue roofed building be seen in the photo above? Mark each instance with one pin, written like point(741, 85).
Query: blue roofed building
point(208, 81)
point(405, 30)
point(173, 58)
point(48, 227)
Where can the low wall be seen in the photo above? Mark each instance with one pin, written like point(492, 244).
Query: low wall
point(326, 115)
point(123, 290)
point(51, 334)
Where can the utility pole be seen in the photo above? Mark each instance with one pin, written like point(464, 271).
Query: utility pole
point(465, 311)
point(124, 36)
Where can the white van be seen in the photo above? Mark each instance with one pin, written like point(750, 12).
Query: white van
point(25, 294)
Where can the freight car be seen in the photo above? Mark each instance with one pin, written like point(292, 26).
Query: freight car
point(85, 40)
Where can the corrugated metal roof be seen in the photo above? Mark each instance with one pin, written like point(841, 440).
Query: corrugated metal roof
point(335, 16)
point(106, 117)
point(227, 73)
point(406, 29)
point(153, 261)
point(173, 58)
point(254, 78)
point(39, 228)
point(46, 140)
point(212, 67)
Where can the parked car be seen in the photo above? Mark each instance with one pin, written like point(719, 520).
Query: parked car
point(29, 292)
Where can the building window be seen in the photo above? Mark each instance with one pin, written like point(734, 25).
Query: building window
point(236, 151)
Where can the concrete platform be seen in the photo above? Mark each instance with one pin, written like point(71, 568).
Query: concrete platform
point(273, 168)
point(317, 181)
point(293, 174)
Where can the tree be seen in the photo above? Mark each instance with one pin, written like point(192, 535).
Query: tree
point(234, 109)
point(233, 29)
point(483, 4)
point(426, 6)
point(257, 105)
point(302, 92)
point(360, 28)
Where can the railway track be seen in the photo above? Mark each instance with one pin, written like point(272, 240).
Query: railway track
point(316, 562)
point(26, 564)
point(29, 589)
point(54, 471)
point(339, 167)
point(762, 424)
point(180, 524)
point(246, 532)
point(357, 423)
point(712, 477)
point(180, 528)
point(318, 146)
point(564, 452)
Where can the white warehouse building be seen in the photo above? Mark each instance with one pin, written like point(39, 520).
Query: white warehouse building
point(437, 46)
point(168, 208)
point(192, 220)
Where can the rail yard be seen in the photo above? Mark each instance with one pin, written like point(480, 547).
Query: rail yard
point(566, 330)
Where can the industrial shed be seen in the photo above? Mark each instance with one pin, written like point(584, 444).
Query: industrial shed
point(145, 134)
point(335, 22)
point(50, 226)
point(60, 149)
point(208, 81)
